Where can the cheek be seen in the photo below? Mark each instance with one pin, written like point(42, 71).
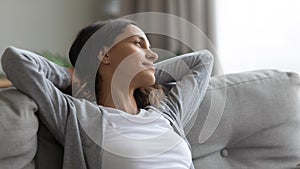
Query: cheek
point(130, 66)
point(134, 60)
point(131, 53)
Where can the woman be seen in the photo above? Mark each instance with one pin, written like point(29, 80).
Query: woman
point(128, 123)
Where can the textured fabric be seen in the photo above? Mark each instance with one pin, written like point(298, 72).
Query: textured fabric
point(259, 126)
point(77, 123)
point(18, 130)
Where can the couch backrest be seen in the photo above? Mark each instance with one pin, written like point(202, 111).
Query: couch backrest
point(249, 120)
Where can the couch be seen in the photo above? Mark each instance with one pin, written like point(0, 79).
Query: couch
point(247, 120)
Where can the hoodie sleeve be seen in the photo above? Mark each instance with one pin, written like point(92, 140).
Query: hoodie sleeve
point(41, 80)
point(190, 74)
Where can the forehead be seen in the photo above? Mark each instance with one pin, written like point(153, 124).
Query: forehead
point(129, 31)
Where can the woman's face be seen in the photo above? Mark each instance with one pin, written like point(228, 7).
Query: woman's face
point(131, 58)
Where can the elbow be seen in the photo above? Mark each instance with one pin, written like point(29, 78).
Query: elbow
point(206, 56)
point(9, 51)
point(9, 55)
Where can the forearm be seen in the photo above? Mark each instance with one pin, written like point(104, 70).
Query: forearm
point(174, 69)
point(191, 72)
point(19, 64)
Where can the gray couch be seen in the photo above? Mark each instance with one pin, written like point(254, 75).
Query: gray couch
point(248, 120)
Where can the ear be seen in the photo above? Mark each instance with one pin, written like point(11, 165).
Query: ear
point(103, 56)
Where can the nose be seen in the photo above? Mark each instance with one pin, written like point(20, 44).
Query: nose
point(150, 55)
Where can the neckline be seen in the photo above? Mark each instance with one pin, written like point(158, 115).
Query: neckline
point(121, 112)
point(143, 115)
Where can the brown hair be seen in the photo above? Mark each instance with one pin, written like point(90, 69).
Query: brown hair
point(151, 95)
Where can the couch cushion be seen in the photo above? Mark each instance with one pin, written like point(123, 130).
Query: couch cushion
point(248, 120)
point(18, 130)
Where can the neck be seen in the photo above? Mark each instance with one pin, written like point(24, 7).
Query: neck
point(120, 97)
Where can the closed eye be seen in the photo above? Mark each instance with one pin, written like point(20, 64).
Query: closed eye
point(138, 43)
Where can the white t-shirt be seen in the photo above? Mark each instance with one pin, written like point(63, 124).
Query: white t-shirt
point(142, 141)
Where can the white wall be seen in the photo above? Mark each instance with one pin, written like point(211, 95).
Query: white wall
point(41, 25)
point(258, 34)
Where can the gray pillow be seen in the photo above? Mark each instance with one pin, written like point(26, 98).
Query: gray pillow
point(18, 130)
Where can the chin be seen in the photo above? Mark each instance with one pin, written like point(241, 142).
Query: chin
point(144, 79)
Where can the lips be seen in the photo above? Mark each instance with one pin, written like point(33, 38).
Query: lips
point(149, 65)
